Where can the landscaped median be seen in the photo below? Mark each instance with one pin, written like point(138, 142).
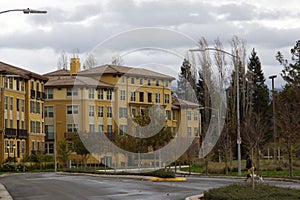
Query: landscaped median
point(176, 179)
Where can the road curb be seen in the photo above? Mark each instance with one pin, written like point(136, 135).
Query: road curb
point(4, 195)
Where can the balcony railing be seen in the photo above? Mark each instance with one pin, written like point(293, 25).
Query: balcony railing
point(10, 133)
point(22, 134)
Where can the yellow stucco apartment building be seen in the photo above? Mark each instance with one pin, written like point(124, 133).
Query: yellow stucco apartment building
point(36, 110)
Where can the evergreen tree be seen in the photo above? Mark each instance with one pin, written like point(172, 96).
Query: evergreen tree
point(291, 71)
point(258, 90)
point(186, 84)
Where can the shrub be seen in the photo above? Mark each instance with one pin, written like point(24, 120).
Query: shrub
point(245, 192)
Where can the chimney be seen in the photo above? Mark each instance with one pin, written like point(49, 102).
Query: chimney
point(74, 66)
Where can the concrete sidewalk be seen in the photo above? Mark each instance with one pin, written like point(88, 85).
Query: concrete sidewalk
point(4, 195)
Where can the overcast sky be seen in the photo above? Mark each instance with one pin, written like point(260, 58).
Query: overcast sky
point(144, 32)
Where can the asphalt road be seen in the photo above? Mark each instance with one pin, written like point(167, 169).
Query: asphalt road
point(51, 186)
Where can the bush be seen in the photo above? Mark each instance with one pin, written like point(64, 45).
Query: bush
point(161, 173)
point(245, 192)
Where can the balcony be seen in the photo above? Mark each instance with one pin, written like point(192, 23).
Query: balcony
point(10, 133)
point(32, 94)
point(22, 134)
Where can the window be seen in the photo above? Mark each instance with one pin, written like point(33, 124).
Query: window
point(69, 127)
point(6, 145)
point(123, 129)
point(91, 93)
point(32, 85)
point(91, 111)
point(122, 95)
point(72, 127)
point(167, 84)
point(49, 111)
point(37, 87)
point(149, 82)
point(133, 112)
point(22, 105)
point(22, 86)
point(18, 104)
point(49, 130)
point(109, 111)
point(5, 82)
point(11, 83)
point(6, 102)
point(38, 127)
point(108, 94)
point(23, 146)
point(38, 108)
point(109, 128)
point(168, 114)
point(32, 126)
point(69, 92)
point(189, 131)
point(157, 82)
point(11, 145)
point(167, 98)
point(132, 81)
point(11, 103)
point(100, 128)
point(75, 91)
point(132, 96)
point(123, 112)
point(123, 79)
point(157, 98)
point(149, 97)
point(72, 109)
point(141, 81)
point(174, 114)
point(32, 107)
point(49, 93)
point(141, 96)
point(11, 123)
point(32, 145)
point(100, 111)
point(196, 116)
point(92, 128)
point(100, 94)
point(195, 131)
point(18, 84)
point(189, 115)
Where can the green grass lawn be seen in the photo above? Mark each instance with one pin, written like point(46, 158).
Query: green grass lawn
point(268, 168)
point(246, 192)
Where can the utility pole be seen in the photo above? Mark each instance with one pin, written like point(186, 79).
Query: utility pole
point(272, 77)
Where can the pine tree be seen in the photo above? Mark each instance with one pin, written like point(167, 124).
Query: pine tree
point(291, 71)
point(186, 84)
point(258, 90)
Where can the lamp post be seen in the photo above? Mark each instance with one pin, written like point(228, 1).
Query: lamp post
point(237, 101)
point(272, 77)
point(25, 11)
point(7, 146)
point(14, 147)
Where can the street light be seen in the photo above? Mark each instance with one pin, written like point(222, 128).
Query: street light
point(237, 100)
point(7, 146)
point(25, 11)
point(14, 147)
point(272, 77)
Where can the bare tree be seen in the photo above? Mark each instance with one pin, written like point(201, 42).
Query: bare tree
point(62, 62)
point(89, 62)
point(288, 121)
point(257, 128)
point(117, 60)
